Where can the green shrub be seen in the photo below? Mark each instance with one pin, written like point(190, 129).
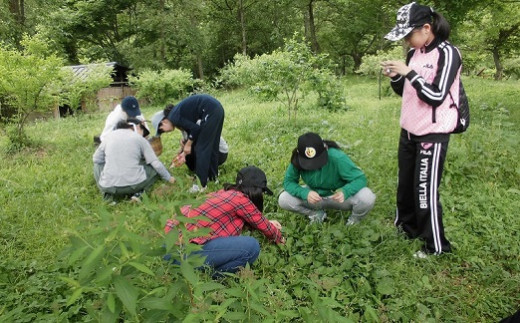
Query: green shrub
point(161, 87)
point(512, 68)
point(75, 89)
point(31, 82)
point(371, 65)
point(287, 75)
point(329, 88)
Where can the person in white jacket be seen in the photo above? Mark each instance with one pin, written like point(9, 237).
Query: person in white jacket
point(129, 108)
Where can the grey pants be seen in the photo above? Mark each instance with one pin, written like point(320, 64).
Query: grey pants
point(151, 177)
point(360, 204)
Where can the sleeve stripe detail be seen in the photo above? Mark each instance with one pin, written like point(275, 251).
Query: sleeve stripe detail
point(443, 81)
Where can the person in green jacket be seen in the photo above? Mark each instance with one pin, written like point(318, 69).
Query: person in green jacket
point(332, 181)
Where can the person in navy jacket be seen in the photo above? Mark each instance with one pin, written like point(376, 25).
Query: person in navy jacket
point(206, 133)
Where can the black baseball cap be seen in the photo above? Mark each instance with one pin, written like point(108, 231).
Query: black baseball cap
point(253, 176)
point(312, 153)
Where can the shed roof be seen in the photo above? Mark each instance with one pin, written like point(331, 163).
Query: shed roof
point(119, 74)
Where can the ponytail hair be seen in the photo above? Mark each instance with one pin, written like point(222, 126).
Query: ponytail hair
point(331, 144)
point(441, 27)
point(168, 109)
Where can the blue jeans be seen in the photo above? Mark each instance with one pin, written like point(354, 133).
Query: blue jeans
point(228, 254)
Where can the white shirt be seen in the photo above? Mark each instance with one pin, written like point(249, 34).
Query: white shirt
point(113, 118)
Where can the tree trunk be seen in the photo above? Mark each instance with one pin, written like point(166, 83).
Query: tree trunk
point(17, 9)
point(22, 12)
point(200, 66)
point(71, 51)
point(162, 49)
point(358, 59)
point(310, 27)
point(343, 65)
point(503, 36)
point(498, 65)
point(242, 19)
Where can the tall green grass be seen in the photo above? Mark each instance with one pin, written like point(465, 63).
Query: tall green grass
point(365, 272)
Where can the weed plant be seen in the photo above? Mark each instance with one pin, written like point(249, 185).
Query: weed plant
point(68, 256)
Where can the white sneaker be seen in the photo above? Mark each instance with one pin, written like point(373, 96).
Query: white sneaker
point(136, 198)
point(420, 255)
point(318, 217)
point(196, 189)
point(351, 221)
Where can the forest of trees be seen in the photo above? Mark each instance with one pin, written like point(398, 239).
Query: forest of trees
point(203, 35)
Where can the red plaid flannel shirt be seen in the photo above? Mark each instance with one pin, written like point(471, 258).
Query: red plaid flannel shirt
point(228, 212)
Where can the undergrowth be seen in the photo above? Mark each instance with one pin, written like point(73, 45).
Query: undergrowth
point(67, 256)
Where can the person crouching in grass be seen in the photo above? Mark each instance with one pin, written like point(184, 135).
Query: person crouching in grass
point(331, 181)
point(125, 164)
point(227, 212)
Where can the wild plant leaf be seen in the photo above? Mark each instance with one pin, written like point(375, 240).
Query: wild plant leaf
point(75, 296)
point(292, 314)
point(211, 286)
point(170, 239)
point(154, 316)
point(370, 314)
point(104, 274)
point(91, 262)
point(330, 302)
point(514, 190)
point(235, 292)
point(141, 267)
point(432, 300)
point(77, 254)
point(111, 303)
point(107, 316)
point(71, 282)
point(235, 316)
point(259, 307)
point(158, 303)
point(385, 286)
point(124, 250)
point(188, 272)
point(127, 293)
point(223, 307)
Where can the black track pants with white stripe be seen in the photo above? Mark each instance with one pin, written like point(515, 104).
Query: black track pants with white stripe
point(419, 211)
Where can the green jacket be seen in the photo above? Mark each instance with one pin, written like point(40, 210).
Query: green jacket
point(339, 173)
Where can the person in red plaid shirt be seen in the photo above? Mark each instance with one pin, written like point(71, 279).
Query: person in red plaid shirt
point(227, 211)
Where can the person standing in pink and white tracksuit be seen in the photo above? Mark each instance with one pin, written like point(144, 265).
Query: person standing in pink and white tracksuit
point(427, 82)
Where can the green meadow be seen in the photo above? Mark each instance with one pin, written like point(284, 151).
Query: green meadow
point(57, 233)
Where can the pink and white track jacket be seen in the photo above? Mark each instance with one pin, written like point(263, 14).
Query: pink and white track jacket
point(425, 90)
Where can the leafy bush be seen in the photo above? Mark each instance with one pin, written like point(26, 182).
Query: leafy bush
point(512, 68)
point(31, 81)
point(75, 89)
point(161, 87)
point(329, 88)
point(114, 276)
point(287, 75)
point(371, 65)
